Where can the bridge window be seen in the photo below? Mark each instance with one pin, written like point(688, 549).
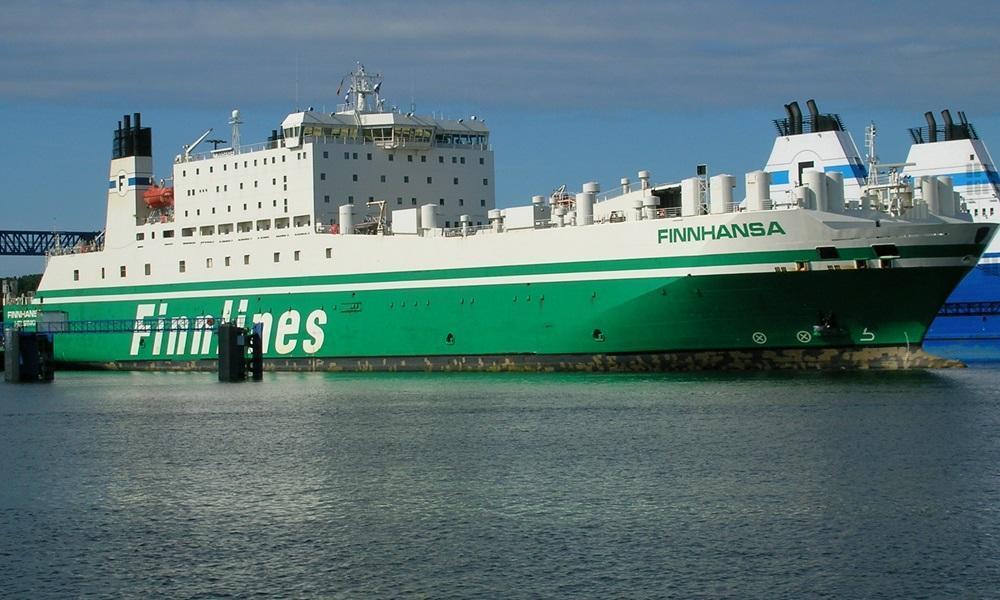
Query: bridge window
point(227, 261)
point(208, 263)
point(246, 259)
point(168, 233)
point(182, 266)
point(277, 257)
point(102, 272)
point(76, 274)
point(140, 236)
point(147, 269)
point(329, 252)
point(122, 270)
point(296, 255)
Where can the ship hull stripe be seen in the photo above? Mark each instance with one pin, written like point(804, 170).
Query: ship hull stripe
point(564, 271)
point(302, 287)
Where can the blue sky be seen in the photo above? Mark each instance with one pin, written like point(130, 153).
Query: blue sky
point(572, 91)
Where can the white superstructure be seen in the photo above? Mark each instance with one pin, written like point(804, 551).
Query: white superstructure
point(300, 178)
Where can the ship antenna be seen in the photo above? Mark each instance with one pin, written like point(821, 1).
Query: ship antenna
point(870, 132)
point(236, 121)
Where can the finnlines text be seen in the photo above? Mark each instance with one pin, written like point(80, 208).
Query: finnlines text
point(701, 233)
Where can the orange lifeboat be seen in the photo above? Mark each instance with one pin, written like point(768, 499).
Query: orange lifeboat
point(159, 197)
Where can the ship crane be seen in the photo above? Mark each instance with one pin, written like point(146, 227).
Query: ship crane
point(189, 148)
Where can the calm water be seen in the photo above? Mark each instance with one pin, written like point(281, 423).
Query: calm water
point(801, 485)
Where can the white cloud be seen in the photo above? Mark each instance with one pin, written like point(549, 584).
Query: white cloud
point(591, 55)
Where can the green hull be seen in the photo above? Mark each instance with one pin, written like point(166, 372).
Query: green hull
point(752, 313)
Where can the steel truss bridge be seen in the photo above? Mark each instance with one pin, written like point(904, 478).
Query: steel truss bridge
point(41, 243)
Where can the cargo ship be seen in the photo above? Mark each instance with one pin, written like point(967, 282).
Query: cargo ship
point(368, 239)
point(968, 326)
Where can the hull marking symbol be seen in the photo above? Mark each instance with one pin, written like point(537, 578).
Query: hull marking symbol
point(804, 336)
point(759, 337)
point(867, 336)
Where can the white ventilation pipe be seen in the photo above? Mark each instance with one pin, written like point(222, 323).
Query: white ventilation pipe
point(346, 219)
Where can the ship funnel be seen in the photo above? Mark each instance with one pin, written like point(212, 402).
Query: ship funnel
point(931, 126)
point(949, 125)
point(813, 114)
point(796, 114)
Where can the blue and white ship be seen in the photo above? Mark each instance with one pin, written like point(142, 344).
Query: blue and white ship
point(944, 159)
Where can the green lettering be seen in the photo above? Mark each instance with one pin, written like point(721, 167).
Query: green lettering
point(757, 229)
point(738, 229)
point(724, 232)
point(708, 232)
point(774, 228)
point(663, 233)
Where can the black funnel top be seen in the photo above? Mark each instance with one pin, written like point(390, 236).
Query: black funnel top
point(131, 139)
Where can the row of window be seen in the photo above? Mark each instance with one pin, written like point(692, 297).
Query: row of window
point(409, 157)
point(382, 179)
point(229, 208)
point(182, 265)
point(246, 164)
point(326, 154)
point(399, 200)
point(228, 228)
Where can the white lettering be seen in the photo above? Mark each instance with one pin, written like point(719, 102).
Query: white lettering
point(313, 322)
point(227, 310)
point(206, 339)
point(241, 317)
point(288, 324)
point(266, 321)
point(141, 330)
point(160, 323)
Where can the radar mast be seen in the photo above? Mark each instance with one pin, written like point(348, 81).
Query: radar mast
point(363, 95)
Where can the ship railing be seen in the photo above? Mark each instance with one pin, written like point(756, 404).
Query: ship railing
point(244, 149)
point(90, 326)
point(331, 139)
point(469, 230)
point(96, 245)
point(617, 191)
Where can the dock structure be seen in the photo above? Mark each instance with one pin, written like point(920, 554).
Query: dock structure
point(29, 351)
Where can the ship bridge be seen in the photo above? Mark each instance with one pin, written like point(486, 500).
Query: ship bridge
point(363, 117)
point(389, 130)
